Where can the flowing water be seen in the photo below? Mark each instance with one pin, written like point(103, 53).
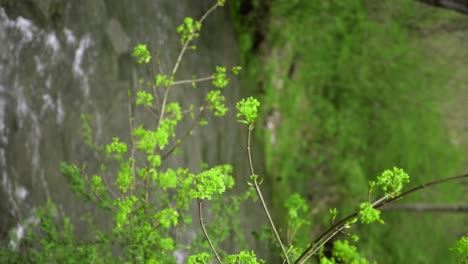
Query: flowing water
point(59, 59)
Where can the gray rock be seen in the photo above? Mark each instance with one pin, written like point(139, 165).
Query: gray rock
point(117, 36)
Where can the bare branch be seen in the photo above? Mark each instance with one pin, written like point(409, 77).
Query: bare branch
point(200, 212)
point(423, 208)
point(259, 193)
point(460, 6)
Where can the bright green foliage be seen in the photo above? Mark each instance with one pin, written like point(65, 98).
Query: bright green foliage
point(125, 176)
point(116, 149)
point(215, 100)
point(167, 217)
point(154, 160)
point(221, 2)
point(124, 207)
point(462, 249)
point(325, 260)
point(213, 181)
point(75, 179)
point(200, 258)
point(146, 202)
point(189, 29)
point(97, 185)
point(392, 181)
point(369, 214)
point(51, 242)
point(247, 110)
point(167, 179)
point(175, 111)
point(149, 139)
point(220, 79)
point(184, 185)
point(236, 69)
point(244, 257)
point(345, 253)
point(144, 98)
point(142, 53)
point(162, 80)
point(296, 206)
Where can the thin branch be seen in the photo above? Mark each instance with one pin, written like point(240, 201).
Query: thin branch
point(205, 232)
point(176, 66)
point(132, 140)
point(423, 208)
point(209, 78)
point(317, 247)
point(259, 193)
point(208, 12)
point(312, 248)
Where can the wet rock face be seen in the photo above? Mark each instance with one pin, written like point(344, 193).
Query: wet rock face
point(59, 59)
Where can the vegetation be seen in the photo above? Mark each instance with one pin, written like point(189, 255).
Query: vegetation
point(328, 132)
point(347, 92)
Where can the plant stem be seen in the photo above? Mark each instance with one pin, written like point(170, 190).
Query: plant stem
point(421, 208)
point(205, 232)
point(259, 193)
point(193, 80)
point(176, 66)
point(312, 249)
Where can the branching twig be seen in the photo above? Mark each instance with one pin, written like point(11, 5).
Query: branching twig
point(312, 249)
point(176, 66)
point(205, 232)
point(259, 193)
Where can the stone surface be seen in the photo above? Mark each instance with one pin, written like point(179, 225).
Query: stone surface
point(119, 39)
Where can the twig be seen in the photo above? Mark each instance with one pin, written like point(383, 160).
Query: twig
point(209, 78)
point(205, 232)
point(421, 208)
point(312, 248)
point(179, 59)
point(259, 193)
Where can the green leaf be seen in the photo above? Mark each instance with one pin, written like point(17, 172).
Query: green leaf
point(369, 214)
point(247, 109)
point(392, 182)
point(213, 181)
point(461, 249)
point(236, 69)
point(216, 102)
point(142, 53)
point(244, 257)
point(144, 98)
point(200, 258)
point(220, 79)
point(343, 252)
point(167, 217)
point(116, 148)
